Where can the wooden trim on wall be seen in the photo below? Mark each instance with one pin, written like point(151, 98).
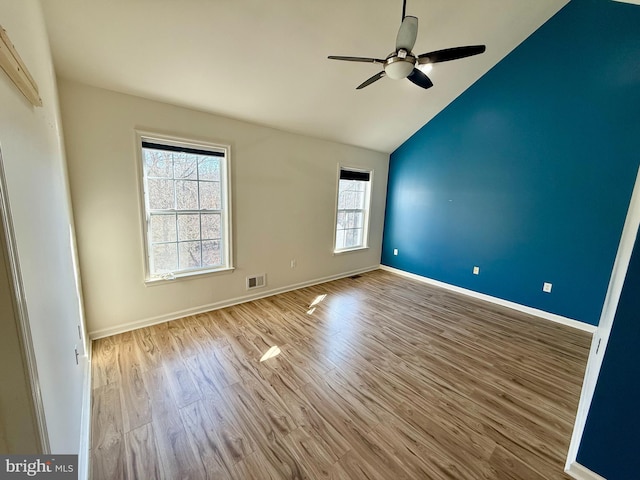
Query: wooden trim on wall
point(14, 67)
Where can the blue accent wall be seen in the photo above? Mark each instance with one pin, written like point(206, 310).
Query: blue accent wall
point(528, 174)
point(611, 436)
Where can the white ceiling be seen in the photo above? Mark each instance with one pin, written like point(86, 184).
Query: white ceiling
point(266, 61)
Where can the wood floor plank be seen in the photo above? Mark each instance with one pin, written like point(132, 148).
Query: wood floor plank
point(184, 389)
point(135, 399)
point(143, 462)
point(515, 469)
point(147, 351)
point(234, 438)
point(279, 453)
point(264, 418)
point(182, 337)
point(350, 420)
point(107, 439)
point(177, 458)
point(204, 441)
point(415, 456)
point(310, 421)
point(446, 450)
point(354, 466)
point(256, 466)
point(104, 365)
point(203, 375)
point(312, 453)
point(176, 370)
point(374, 377)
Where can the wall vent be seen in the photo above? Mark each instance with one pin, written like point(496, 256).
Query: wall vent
point(256, 281)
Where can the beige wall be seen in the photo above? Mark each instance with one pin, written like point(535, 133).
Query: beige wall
point(35, 172)
point(284, 193)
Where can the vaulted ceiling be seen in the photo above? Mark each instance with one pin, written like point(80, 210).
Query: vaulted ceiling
point(266, 61)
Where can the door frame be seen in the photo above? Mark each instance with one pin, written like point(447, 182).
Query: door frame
point(601, 337)
point(8, 248)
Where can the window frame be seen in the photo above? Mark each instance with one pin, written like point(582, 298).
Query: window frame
point(145, 212)
point(366, 210)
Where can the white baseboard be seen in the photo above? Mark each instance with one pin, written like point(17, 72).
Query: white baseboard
point(84, 456)
point(580, 472)
point(106, 332)
point(488, 298)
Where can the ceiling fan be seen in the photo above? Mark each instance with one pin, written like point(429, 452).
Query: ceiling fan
point(402, 63)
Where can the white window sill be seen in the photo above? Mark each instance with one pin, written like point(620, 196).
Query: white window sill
point(349, 250)
point(150, 282)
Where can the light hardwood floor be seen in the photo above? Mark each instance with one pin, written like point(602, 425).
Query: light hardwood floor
point(383, 378)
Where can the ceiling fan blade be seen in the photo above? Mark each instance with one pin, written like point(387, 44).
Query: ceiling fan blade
point(369, 81)
point(420, 79)
point(407, 34)
point(450, 54)
point(356, 59)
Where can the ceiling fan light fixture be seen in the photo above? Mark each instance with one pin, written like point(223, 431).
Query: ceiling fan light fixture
point(397, 68)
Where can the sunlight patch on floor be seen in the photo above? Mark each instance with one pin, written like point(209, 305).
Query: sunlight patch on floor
point(272, 352)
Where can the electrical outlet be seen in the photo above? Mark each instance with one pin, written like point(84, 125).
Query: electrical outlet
point(546, 287)
point(294, 263)
point(395, 251)
point(476, 270)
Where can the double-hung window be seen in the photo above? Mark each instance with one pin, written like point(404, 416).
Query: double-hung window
point(352, 216)
point(186, 202)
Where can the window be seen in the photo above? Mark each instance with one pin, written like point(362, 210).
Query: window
point(352, 218)
point(186, 201)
